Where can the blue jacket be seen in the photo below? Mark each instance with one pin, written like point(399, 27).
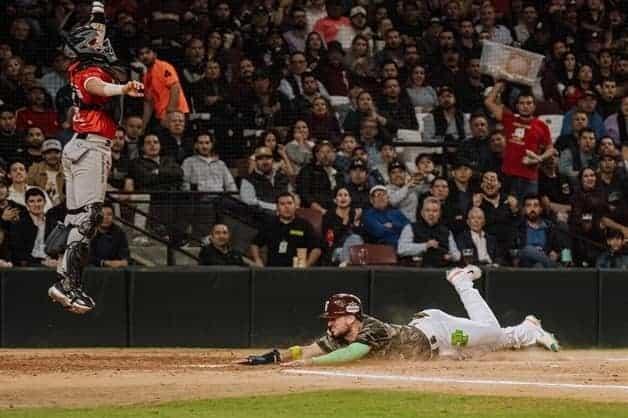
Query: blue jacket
point(595, 122)
point(374, 220)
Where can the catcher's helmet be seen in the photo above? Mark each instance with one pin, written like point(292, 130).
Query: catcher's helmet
point(84, 44)
point(342, 304)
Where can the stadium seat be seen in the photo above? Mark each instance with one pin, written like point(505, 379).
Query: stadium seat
point(372, 255)
point(314, 217)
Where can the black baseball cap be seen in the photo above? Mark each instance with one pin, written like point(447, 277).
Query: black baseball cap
point(396, 164)
point(357, 163)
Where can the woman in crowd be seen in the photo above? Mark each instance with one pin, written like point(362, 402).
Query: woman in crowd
point(342, 227)
point(360, 49)
point(616, 123)
point(420, 92)
point(322, 121)
point(315, 50)
point(365, 108)
point(281, 162)
point(583, 82)
point(299, 148)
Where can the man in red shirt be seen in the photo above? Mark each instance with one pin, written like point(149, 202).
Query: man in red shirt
point(528, 141)
point(38, 113)
point(87, 157)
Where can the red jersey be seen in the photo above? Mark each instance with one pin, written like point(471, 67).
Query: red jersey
point(521, 136)
point(91, 116)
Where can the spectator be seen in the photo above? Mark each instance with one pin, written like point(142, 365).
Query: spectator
point(475, 149)
point(358, 185)
point(10, 139)
point(616, 254)
point(57, 78)
point(495, 158)
point(262, 186)
point(472, 86)
point(284, 236)
point(299, 149)
point(360, 53)
point(109, 247)
point(334, 23)
point(218, 251)
point(586, 103)
point(296, 36)
point(10, 213)
point(527, 24)
point(133, 128)
point(345, 152)
point(529, 142)
point(332, 72)
point(322, 121)
point(422, 96)
point(317, 180)
point(474, 239)
point(460, 198)
point(612, 181)
point(617, 123)
point(449, 69)
point(28, 234)
point(393, 48)
point(281, 162)
point(342, 227)
point(315, 50)
point(395, 108)
point(501, 211)
point(120, 160)
point(539, 242)
point(11, 92)
point(424, 171)
point(403, 190)
point(571, 163)
point(555, 190)
point(33, 141)
point(193, 69)
point(429, 238)
point(210, 94)
point(175, 143)
point(48, 174)
point(579, 121)
point(496, 32)
point(583, 84)
point(609, 102)
point(446, 122)
point(382, 223)
point(204, 171)
point(303, 102)
point(291, 86)
point(387, 154)
point(366, 109)
point(19, 187)
point(162, 89)
point(266, 107)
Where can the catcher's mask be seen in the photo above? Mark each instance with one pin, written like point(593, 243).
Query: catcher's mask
point(342, 304)
point(84, 44)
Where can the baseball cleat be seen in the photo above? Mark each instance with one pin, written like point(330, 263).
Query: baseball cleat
point(468, 272)
point(545, 339)
point(82, 302)
point(60, 295)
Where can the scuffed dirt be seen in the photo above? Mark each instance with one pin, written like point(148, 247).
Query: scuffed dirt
point(90, 377)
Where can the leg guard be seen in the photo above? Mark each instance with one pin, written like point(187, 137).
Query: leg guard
point(76, 260)
point(89, 225)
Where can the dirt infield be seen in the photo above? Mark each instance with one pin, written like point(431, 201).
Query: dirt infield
point(89, 377)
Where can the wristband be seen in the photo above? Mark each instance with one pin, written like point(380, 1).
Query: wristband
point(296, 352)
point(113, 89)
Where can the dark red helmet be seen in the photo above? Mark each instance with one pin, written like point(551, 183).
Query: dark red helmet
point(342, 304)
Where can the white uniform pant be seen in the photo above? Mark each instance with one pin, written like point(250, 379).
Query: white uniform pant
point(480, 332)
point(86, 164)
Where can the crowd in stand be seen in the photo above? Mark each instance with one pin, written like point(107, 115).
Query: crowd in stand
point(298, 110)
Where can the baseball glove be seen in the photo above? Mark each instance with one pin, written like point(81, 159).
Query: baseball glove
point(272, 357)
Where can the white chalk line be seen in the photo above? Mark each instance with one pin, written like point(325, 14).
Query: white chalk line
point(428, 379)
point(205, 366)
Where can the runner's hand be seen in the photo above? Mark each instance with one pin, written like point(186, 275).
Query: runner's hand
point(134, 89)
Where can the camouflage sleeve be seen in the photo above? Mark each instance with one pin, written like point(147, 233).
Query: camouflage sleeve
point(328, 344)
point(375, 335)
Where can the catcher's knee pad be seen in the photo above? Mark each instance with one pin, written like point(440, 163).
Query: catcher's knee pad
point(88, 227)
point(76, 260)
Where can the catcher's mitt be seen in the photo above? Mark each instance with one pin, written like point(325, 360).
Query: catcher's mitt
point(272, 357)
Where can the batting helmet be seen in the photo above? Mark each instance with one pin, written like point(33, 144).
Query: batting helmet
point(88, 44)
point(342, 304)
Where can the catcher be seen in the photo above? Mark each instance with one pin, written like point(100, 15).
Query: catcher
point(86, 158)
point(352, 335)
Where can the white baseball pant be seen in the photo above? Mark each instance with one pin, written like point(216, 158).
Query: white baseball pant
point(480, 332)
point(86, 162)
